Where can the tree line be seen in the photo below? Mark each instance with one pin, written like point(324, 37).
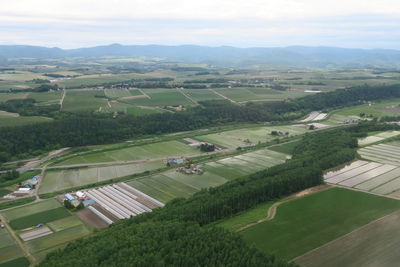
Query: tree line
point(79, 129)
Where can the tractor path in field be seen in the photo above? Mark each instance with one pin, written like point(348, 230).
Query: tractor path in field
point(221, 95)
point(19, 242)
point(40, 182)
point(272, 210)
point(186, 96)
point(140, 90)
point(62, 98)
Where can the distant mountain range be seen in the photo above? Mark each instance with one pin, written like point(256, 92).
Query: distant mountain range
point(224, 56)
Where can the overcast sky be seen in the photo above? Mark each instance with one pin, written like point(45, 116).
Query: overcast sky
point(242, 23)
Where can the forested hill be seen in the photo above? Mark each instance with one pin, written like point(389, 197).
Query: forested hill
point(90, 129)
point(224, 55)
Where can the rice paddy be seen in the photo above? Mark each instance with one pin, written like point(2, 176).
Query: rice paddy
point(171, 184)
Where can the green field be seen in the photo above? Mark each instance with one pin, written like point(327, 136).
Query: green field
point(27, 210)
point(84, 100)
point(251, 216)
point(46, 98)
point(39, 218)
point(202, 94)
point(286, 148)
point(160, 97)
point(9, 250)
point(375, 244)
point(65, 226)
point(248, 136)
point(117, 93)
point(377, 109)
point(18, 262)
point(150, 151)
point(171, 184)
point(56, 180)
point(309, 222)
point(21, 120)
point(376, 137)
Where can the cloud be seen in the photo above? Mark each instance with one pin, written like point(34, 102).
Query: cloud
point(73, 23)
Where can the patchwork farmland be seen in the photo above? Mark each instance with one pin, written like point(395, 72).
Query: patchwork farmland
point(379, 177)
point(377, 137)
point(44, 226)
point(171, 184)
point(9, 249)
point(309, 222)
point(143, 152)
point(250, 136)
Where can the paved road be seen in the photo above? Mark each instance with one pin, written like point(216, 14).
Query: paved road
point(34, 163)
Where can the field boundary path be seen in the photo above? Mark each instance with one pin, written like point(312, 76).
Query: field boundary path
point(19, 242)
point(186, 96)
point(62, 98)
point(221, 95)
point(271, 213)
point(140, 90)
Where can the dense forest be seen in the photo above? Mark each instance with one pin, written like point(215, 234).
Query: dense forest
point(78, 129)
point(182, 232)
point(163, 244)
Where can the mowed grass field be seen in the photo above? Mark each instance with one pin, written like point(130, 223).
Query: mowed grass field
point(311, 221)
point(65, 225)
point(170, 184)
point(248, 136)
point(375, 244)
point(150, 151)
point(57, 180)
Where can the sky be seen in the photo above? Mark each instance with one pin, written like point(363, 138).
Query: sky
point(241, 23)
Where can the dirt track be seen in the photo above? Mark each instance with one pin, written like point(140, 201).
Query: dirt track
point(272, 210)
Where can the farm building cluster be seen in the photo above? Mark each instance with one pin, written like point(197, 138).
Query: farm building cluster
point(112, 202)
point(26, 188)
point(191, 169)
